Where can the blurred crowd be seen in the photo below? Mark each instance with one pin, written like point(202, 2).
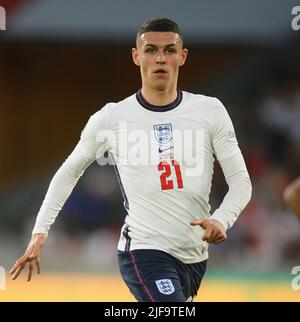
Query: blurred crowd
point(266, 236)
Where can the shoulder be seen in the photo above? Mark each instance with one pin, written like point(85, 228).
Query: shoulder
point(111, 108)
point(101, 119)
point(208, 101)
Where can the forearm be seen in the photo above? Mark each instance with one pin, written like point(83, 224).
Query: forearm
point(239, 192)
point(60, 189)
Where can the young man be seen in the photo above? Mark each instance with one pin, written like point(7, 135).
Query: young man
point(163, 245)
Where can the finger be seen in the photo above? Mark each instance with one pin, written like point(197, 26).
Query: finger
point(38, 265)
point(219, 240)
point(207, 235)
point(19, 262)
point(18, 271)
point(30, 270)
point(212, 235)
point(201, 223)
point(16, 265)
point(33, 256)
point(207, 239)
point(217, 237)
point(13, 269)
point(196, 222)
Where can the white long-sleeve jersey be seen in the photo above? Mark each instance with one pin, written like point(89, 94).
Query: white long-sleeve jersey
point(164, 159)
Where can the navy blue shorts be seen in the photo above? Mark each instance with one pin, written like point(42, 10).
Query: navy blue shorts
point(156, 276)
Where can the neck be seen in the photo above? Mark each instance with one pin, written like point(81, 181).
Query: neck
point(159, 97)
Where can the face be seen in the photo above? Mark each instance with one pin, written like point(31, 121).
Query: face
point(159, 55)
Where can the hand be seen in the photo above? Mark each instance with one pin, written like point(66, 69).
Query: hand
point(291, 196)
point(32, 255)
point(214, 230)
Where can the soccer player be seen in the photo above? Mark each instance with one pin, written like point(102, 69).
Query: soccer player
point(163, 142)
point(291, 196)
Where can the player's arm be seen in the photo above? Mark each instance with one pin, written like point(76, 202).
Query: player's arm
point(291, 196)
point(237, 197)
point(234, 168)
point(60, 188)
point(239, 190)
point(231, 160)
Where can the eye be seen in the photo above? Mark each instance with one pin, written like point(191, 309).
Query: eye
point(150, 50)
point(171, 50)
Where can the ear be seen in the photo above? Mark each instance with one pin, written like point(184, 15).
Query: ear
point(135, 56)
point(184, 55)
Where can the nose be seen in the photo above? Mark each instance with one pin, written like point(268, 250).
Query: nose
point(160, 58)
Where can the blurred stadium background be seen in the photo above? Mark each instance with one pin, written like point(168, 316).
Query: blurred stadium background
point(62, 60)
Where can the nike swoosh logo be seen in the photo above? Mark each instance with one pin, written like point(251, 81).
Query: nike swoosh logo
point(163, 150)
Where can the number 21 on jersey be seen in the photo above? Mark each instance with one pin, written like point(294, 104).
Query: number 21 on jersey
point(168, 170)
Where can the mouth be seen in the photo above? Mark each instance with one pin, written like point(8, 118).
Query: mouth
point(160, 71)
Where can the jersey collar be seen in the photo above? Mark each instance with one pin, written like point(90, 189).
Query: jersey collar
point(155, 108)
